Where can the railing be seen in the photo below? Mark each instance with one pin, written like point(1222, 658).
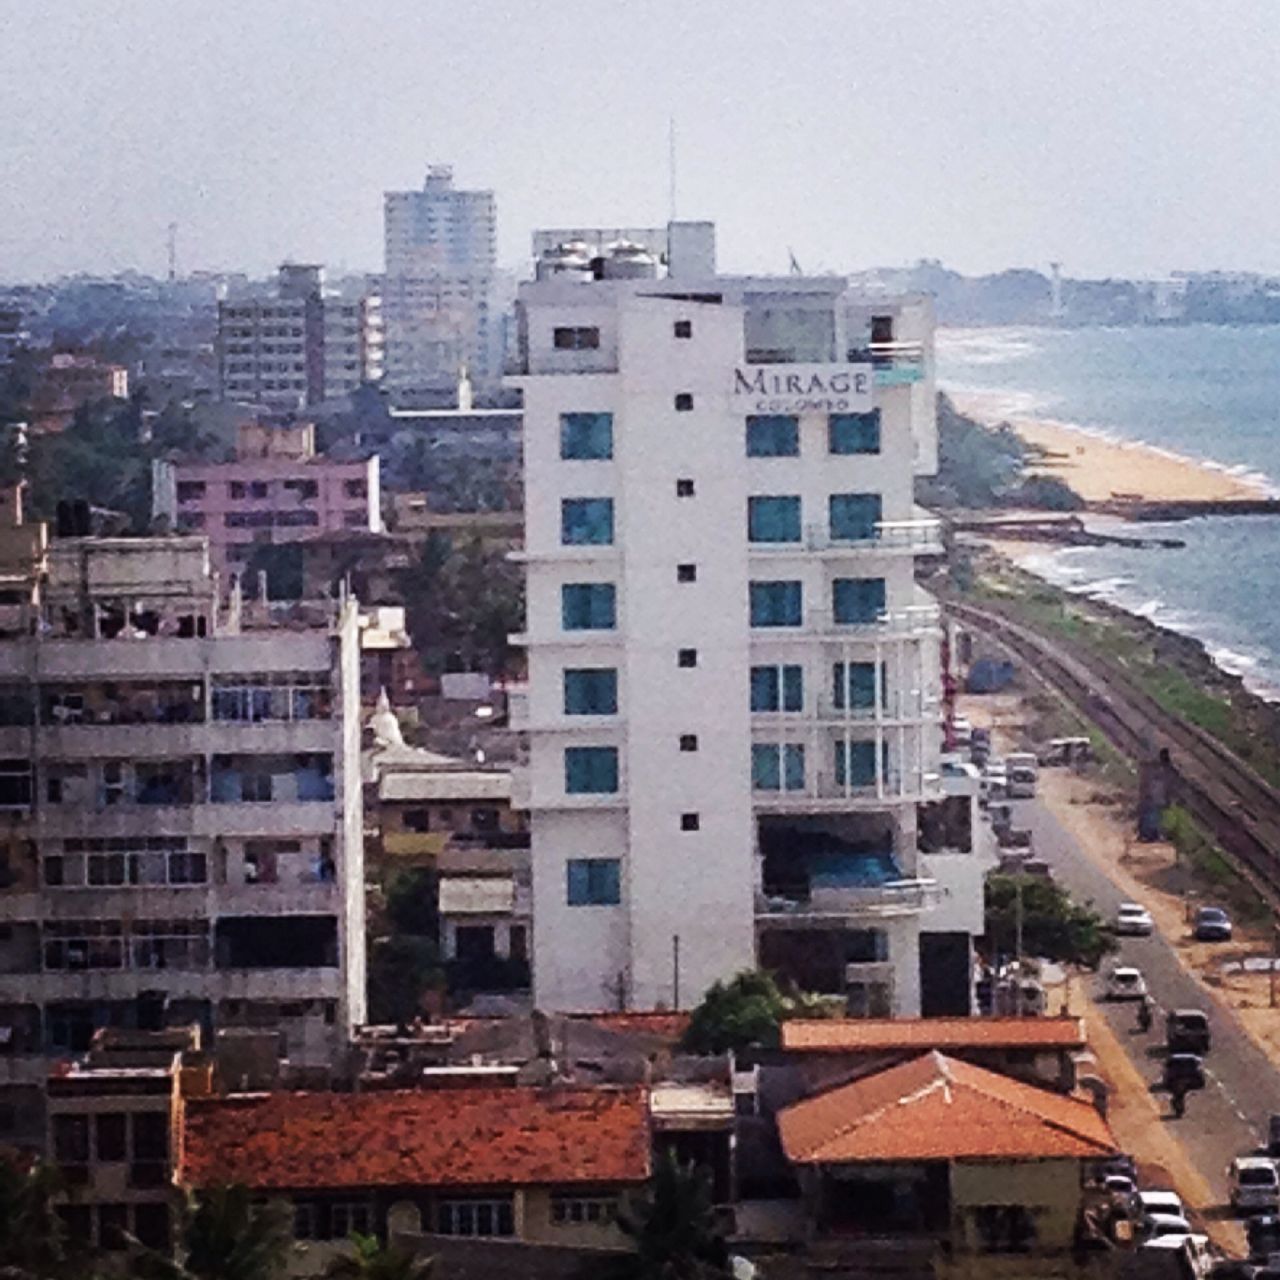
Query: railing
point(893, 363)
point(895, 897)
point(919, 536)
point(917, 619)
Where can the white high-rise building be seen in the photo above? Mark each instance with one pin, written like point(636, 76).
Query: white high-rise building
point(733, 711)
point(443, 300)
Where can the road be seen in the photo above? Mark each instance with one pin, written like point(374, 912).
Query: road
point(1229, 1117)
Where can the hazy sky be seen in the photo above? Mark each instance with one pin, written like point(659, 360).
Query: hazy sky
point(1125, 136)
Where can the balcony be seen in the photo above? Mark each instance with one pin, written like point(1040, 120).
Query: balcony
point(826, 792)
point(919, 536)
point(894, 364)
point(913, 622)
point(826, 906)
point(908, 708)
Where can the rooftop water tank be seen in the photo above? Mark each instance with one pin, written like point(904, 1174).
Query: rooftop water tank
point(568, 261)
point(626, 260)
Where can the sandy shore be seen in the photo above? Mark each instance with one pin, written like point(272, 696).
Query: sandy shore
point(1100, 470)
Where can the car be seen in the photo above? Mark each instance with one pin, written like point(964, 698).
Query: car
point(1168, 1202)
point(1133, 920)
point(1263, 1235)
point(1254, 1184)
point(961, 731)
point(1183, 1071)
point(1166, 1224)
point(1212, 924)
point(1126, 983)
point(1119, 1184)
point(1193, 1254)
point(1187, 1031)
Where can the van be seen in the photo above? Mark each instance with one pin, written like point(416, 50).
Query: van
point(1022, 760)
point(1021, 781)
point(1254, 1185)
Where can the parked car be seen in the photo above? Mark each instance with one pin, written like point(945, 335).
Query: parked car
point(1254, 1184)
point(1263, 1235)
point(1156, 1201)
point(1119, 1184)
point(1187, 1031)
point(1126, 983)
point(1067, 751)
point(1212, 925)
point(1166, 1224)
point(1273, 1135)
point(961, 731)
point(1133, 920)
point(1021, 784)
point(1190, 1255)
point(1183, 1071)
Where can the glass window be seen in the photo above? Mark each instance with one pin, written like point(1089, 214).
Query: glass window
point(684, 488)
point(590, 691)
point(493, 1216)
point(858, 600)
point(856, 764)
point(683, 328)
point(686, 657)
point(777, 767)
point(588, 606)
point(777, 688)
point(690, 822)
point(684, 401)
point(594, 882)
point(773, 436)
point(855, 517)
point(586, 522)
point(854, 686)
point(776, 604)
point(571, 339)
point(590, 770)
point(586, 435)
point(773, 519)
point(854, 432)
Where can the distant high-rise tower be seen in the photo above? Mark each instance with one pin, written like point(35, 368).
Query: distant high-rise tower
point(1055, 295)
point(439, 294)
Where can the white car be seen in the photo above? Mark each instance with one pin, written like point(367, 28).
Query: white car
point(1166, 1224)
point(1255, 1186)
point(1126, 983)
point(1134, 920)
point(1166, 1202)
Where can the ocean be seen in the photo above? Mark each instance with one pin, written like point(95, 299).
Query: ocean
point(1209, 392)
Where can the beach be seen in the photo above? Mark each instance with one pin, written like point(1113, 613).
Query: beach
point(1101, 469)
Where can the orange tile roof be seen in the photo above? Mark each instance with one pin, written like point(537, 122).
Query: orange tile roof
point(658, 1022)
point(446, 1137)
point(877, 1035)
point(939, 1108)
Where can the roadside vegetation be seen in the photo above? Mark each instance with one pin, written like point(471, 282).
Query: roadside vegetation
point(1053, 926)
point(748, 1012)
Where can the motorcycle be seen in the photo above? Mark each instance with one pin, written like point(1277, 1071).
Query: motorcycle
point(1144, 1016)
point(1179, 1103)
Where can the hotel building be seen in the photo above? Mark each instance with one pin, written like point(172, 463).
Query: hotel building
point(733, 713)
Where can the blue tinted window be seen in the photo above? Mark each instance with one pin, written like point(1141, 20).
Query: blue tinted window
point(777, 767)
point(773, 519)
point(776, 604)
point(857, 600)
point(590, 691)
point(854, 685)
point(856, 764)
point(777, 688)
point(594, 882)
point(590, 770)
point(773, 436)
point(588, 606)
point(854, 432)
point(586, 435)
point(855, 517)
point(586, 521)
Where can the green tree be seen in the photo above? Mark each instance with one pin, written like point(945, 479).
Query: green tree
point(746, 1012)
point(374, 1261)
point(225, 1235)
point(1053, 926)
point(673, 1228)
point(34, 1244)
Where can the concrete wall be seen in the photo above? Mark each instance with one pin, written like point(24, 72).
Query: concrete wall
point(1049, 1188)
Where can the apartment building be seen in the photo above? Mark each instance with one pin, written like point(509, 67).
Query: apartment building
point(298, 345)
point(733, 713)
point(181, 835)
point(278, 492)
point(443, 297)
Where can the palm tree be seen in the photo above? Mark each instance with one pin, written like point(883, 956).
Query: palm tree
point(374, 1261)
point(673, 1227)
point(226, 1234)
point(33, 1238)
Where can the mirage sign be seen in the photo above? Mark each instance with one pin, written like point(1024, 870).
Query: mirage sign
point(803, 388)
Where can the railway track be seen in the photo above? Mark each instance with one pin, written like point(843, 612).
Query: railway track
point(1221, 791)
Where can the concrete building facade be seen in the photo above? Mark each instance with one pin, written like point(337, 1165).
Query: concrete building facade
point(277, 492)
point(733, 709)
point(298, 345)
point(181, 835)
point(443, 299)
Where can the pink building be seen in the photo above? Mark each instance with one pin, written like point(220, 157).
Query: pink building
point(276, 494)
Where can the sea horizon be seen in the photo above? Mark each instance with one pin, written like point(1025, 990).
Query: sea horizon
point(1209, 394)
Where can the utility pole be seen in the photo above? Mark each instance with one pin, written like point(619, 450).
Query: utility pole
point(1017, 946)
point(1275, 957)
point(675, 971)
point(173, 252)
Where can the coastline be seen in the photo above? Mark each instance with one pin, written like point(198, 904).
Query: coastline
point(1103, 469)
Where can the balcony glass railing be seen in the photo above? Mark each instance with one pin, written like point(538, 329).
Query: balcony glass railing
point(892, 898)
point(921, 535)
point(894, 363)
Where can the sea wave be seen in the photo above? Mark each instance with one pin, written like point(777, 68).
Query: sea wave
point(987, 346)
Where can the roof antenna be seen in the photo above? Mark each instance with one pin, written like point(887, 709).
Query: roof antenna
point(671, 169)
